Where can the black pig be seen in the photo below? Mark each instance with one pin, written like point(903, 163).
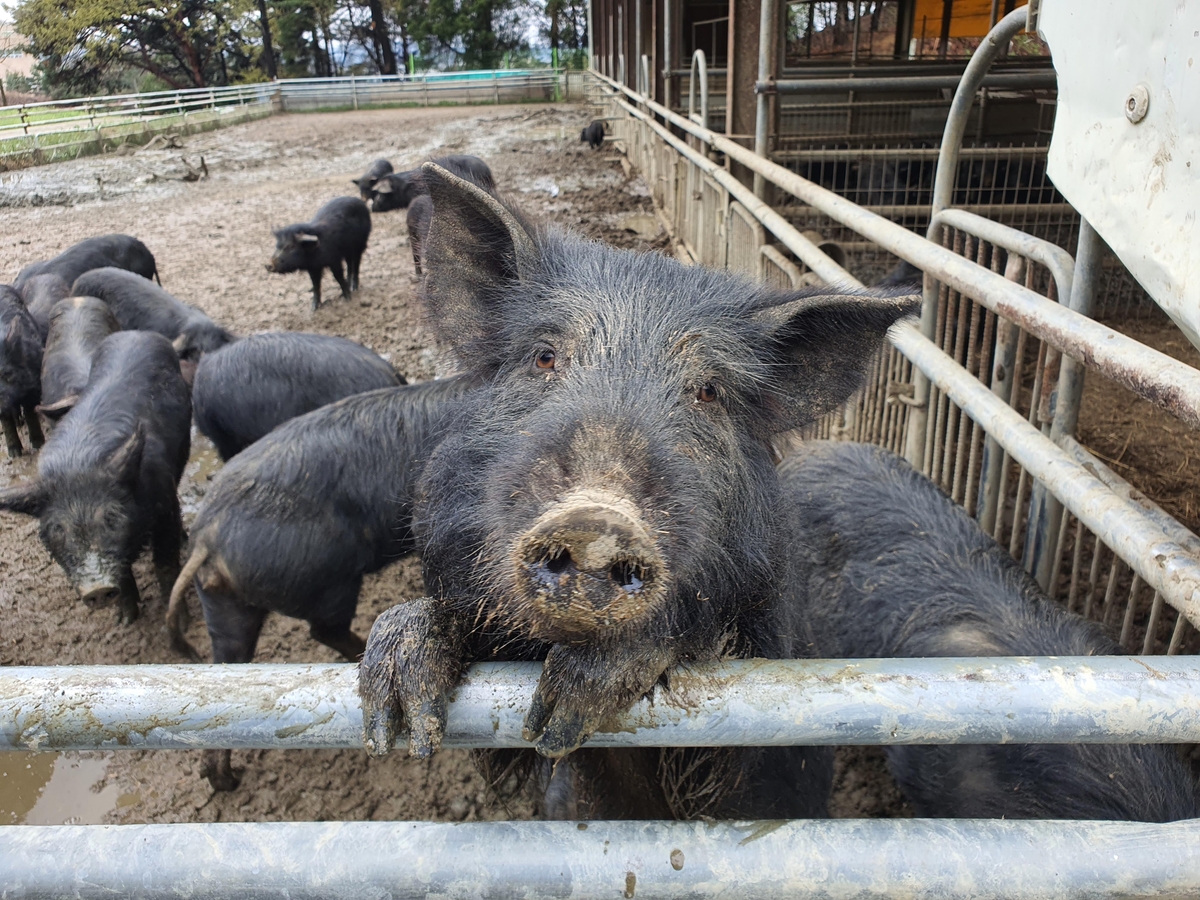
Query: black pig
point(118, 250)
point(593, 135)
point(885, 565)
point(77, 327)
point(244, 390)
point(296, 520)
point(107, 477)
point(142, 306)
point(366, 183)
point(338, 233)
point(20, 371)
point(41, 293)
point(604, 499)
point(399, 190)
point(904, 275)
point(420, 215)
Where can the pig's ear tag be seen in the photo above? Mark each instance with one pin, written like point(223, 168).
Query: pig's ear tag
point(479, 215)
point(383, 186)
point(305, 238)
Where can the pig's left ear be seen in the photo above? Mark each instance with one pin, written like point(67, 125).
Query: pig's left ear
point(476, 247)
point(126, 461)
point(819, 348)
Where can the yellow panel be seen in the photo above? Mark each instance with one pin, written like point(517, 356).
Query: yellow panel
point(968, 18)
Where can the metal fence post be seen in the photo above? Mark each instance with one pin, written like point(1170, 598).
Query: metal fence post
point(354, 91)
point(496, 87)
point(1045, 510)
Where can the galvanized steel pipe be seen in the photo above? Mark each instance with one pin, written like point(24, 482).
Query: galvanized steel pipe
point(767, 50)
point(843, 859)
point(975, 77)
point(1121, 523)
point(897, 83)
point(736, 703)
point(1155, 376)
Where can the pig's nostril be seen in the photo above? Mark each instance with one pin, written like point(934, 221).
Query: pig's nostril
point(558, 561)
point(629, 576)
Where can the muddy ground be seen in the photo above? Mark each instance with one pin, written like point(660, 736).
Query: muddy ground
point(211, 239)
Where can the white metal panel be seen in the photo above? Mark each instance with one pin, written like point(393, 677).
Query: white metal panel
point(1135, 179)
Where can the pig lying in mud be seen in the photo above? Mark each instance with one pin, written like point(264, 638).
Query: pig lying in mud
point(605, 500)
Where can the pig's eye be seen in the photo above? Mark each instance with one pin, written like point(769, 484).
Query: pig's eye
point(706, 393)
point(545, 359)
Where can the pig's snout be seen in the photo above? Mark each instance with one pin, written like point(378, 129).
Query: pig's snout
point(97, 595)
point(588, 564)
point(96, 587)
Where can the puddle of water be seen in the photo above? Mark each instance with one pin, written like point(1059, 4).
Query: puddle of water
point(55, 789)
point(22, 778)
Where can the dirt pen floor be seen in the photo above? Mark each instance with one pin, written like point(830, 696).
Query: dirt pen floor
point(212, 239)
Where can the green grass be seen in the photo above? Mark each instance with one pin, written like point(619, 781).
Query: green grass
point(12, 118)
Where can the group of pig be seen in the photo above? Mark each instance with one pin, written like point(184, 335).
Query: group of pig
point(337, 235)
point(596, 490)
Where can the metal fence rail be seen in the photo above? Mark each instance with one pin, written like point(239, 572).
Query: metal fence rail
point(34, 133)
point(735, 703)
point(846, 860)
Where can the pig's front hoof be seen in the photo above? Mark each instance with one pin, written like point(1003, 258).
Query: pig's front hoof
point(411, 662)
point(127, 613)
point(218, 769)
point(582, 687)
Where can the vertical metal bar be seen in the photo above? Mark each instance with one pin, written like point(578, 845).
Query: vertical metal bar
point(964, 98)
point(1093, 577)
point(767, 40)
point(1152, 624)
point(1007, 338)
point(1110, 590)
point(1076, 562)
point(1135, 588)
point(1068, 393)
point(1014, 536)
point(1059, 546)
point(1181, 624)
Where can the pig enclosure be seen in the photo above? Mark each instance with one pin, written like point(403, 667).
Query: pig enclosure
point(212, 239)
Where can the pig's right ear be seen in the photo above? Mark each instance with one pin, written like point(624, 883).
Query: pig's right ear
point(475, 248)
point(27, 499)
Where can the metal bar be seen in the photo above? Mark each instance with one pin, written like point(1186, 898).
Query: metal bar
point(699, 73)
point(898, 83)
point(1119, 521)
point(768, 16)
point(847, 859)
point(975, 77)
point(1068, 393)
point(917, 210)
point(909, 153)
point(1103, 699)
point(1170, 527)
